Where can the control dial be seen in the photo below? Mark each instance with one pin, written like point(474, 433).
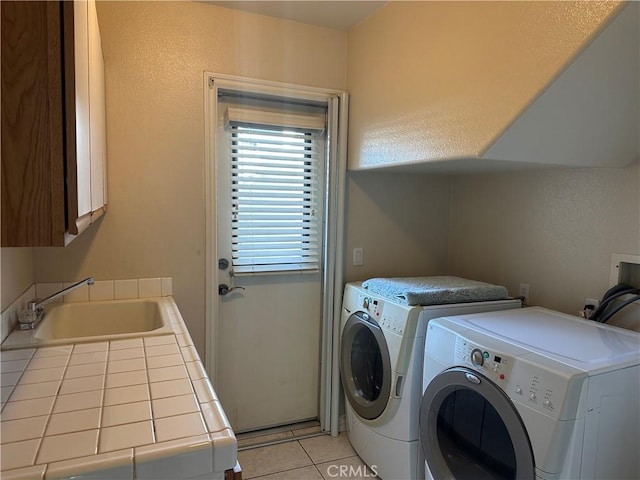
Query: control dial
point(477, 358)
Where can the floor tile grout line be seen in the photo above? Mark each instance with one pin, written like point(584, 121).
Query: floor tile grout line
point(286, 470)
point(352, 454)
point(339, 459)
point(278, 442)
point(306, 453)
point(284, 440)
point(314, 464)
point(291, 427)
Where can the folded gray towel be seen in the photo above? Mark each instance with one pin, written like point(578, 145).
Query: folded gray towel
point(435, 290)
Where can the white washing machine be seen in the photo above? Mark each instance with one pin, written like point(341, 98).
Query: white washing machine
point(530, 394)
point(381, 354)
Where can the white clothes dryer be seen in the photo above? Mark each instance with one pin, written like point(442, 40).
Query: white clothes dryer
point(381, 357)
point(530, 394)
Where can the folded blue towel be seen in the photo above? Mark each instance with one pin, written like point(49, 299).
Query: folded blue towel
point(435, 290)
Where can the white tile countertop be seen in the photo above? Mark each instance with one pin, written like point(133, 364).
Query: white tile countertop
point(133, 409)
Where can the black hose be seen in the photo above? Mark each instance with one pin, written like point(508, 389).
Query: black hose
point(609, 296)
point(619, 307)
point(616, 289)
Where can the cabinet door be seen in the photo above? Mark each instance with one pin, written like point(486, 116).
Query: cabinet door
point(97, 112)
point(33, 125)
point(87, 180)
point(53, 137)
point(82, 94)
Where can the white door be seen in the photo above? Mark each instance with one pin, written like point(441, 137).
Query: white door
point(269, 194)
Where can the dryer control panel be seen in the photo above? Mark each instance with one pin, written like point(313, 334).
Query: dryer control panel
point(533, 385)
point(491, 364)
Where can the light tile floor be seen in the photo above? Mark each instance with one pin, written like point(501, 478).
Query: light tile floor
point(299, 454)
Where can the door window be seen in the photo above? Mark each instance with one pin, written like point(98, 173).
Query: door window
point(275, 189)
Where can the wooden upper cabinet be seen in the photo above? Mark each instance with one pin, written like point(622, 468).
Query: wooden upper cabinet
point(53, 122)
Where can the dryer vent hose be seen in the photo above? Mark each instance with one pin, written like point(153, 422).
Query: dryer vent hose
point(606, 310)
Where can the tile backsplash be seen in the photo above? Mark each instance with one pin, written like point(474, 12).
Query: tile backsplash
point(10, 314)
point(100, 290)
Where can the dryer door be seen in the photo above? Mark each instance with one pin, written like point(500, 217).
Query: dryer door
point(365, 365)
point(469, 429)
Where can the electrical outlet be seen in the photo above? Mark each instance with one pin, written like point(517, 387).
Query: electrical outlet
point(592, 301)
point(588, 312)
point(524, 293)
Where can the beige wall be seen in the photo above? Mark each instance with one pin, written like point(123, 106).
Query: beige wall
point(441, 80)
point(155, 55)
point(17, 273)
point(400, 220)
point(554, 230)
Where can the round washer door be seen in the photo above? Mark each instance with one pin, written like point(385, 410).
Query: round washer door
point(365, 366)
point(469, 429)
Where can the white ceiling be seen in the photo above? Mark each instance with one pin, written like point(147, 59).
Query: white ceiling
point(336, 14)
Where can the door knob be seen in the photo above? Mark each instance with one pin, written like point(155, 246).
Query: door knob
point(224, 289)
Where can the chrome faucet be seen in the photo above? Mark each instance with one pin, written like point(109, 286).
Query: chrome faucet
point(30, 317)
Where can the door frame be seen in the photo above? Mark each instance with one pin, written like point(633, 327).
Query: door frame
point(333, 258)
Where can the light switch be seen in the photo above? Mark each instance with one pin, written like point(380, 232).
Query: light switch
point(358, 259)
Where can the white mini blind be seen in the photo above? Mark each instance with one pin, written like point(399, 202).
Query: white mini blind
point(273, 118)
point(275, 198)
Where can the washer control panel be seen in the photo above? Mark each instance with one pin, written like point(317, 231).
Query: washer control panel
point(394, 323)
point(370, 305)
point(389, 316)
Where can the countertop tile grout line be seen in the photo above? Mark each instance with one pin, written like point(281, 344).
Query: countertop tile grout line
point(53, 405)
point(104, 393)
point(146, 372)
point(13, 387)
